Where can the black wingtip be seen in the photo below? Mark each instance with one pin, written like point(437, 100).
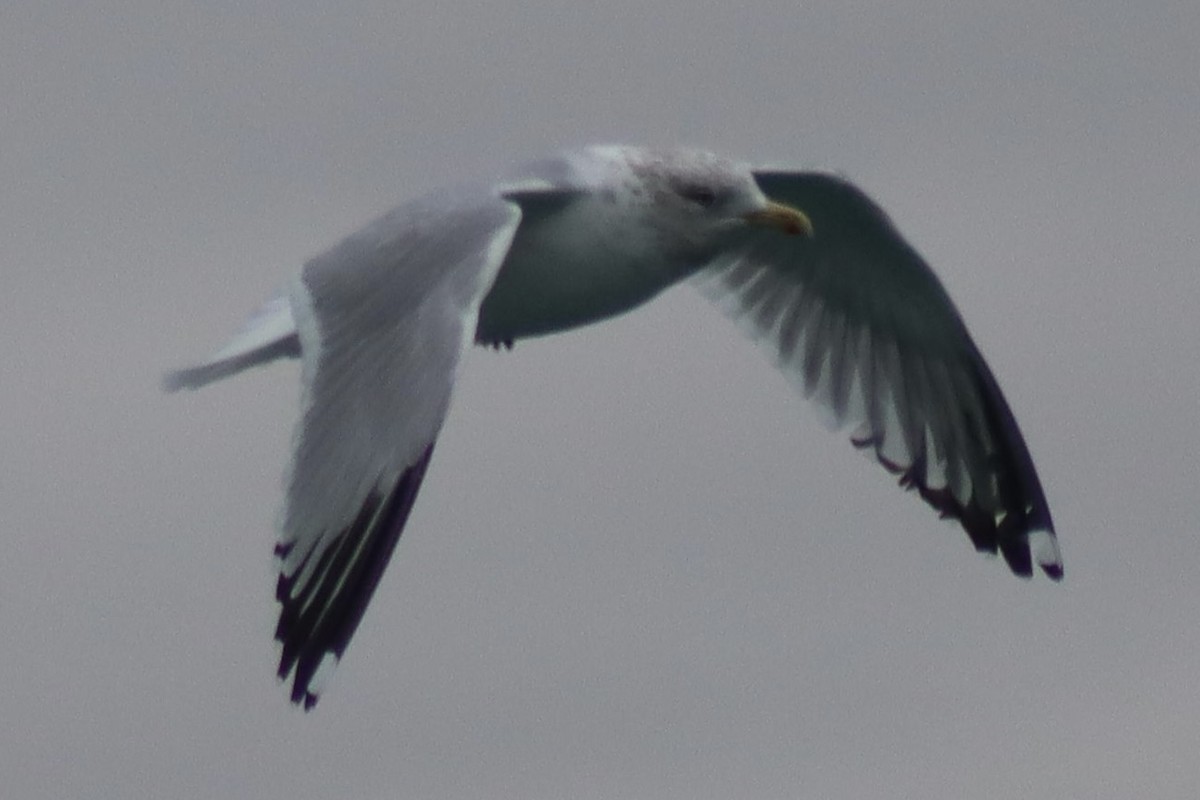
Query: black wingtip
point(317, 624)
point(1009, 538)
point(1016, 555)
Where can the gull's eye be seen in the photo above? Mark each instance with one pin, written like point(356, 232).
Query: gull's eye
point(702, 196)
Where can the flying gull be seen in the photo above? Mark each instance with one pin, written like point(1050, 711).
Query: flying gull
point(805, 260)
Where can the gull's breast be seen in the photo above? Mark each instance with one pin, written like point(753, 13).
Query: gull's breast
point(586, 261)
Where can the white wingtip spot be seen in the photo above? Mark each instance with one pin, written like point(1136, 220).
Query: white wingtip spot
point(316, 686)
point(1044, 547)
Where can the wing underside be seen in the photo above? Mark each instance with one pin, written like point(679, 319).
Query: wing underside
point(858, 320)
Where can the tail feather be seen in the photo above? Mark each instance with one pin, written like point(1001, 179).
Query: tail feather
point(268, 335)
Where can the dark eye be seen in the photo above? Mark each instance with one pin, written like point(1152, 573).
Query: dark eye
point(702, 196)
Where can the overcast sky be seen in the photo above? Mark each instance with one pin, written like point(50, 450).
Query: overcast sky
point(639, 566)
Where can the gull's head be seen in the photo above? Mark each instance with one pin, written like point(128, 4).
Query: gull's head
point(694, 198)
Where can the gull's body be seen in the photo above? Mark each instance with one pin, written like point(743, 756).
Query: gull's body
point(380, 323)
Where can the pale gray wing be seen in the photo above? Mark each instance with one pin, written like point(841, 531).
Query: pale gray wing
point(382, 319)
point(859, 320)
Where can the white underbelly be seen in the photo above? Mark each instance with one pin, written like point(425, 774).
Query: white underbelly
point(571, 269)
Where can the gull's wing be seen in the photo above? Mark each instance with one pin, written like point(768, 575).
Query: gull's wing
point(858, 319)
point(382, 319)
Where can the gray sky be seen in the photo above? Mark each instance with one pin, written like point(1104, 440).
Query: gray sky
point(639, 566)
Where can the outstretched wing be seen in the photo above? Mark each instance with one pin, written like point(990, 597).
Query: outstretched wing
point(859, 320)
point(382, 320)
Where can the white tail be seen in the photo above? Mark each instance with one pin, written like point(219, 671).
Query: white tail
point(266, 336)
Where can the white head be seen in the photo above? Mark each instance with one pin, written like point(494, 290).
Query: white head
point(692, 197)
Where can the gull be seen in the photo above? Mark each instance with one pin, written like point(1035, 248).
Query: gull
point(806, 261)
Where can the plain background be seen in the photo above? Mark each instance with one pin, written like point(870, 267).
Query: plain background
point(639, 566)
